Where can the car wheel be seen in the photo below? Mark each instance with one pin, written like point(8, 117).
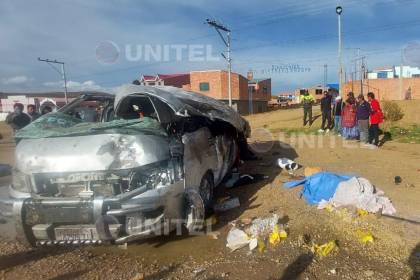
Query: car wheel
point(206, 190)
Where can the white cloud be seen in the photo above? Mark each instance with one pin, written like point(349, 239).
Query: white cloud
point(75, 85)
point(16, 80)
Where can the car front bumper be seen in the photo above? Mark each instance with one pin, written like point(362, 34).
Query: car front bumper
point(46, 221)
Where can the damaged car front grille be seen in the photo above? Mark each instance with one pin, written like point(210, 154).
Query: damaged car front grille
point(105, 184)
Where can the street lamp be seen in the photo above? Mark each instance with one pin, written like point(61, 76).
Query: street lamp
point(339, 10)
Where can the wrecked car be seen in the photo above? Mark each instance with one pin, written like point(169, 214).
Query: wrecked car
point(120, 168)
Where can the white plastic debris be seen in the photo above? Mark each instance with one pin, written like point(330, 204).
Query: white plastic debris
point(359, 192)
point(262, 227)
point(253, 243)
point(287, 164)
point(237, 239)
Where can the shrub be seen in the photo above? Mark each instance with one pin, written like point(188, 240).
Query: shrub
point(392, 111)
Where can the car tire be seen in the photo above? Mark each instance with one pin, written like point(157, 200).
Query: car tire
point(206, 190)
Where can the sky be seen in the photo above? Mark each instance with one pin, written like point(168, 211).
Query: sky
point(108, 43)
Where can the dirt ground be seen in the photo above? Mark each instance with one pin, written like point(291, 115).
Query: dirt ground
point(394, 253)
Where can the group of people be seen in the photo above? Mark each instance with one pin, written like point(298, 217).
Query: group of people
point(19, 119)
point(354, 118)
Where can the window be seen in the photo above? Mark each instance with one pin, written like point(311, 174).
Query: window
point(265, 90)
point(204, 86)
point(88, 109)
point(318, 91)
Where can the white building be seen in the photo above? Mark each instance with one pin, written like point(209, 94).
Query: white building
point(394, 72)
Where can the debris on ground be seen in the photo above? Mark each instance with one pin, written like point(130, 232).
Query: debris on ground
point(324, 249)
point(359, 192)
point(320, 186)
point(365, 237)
point(287, 164)
point(238, 179)
point(226, 203)
point(397, 180)
point(198, 271)
point(237, 239)
point(327, 188)
point(256, 233)
point(214, 234)
point(138, 276)
point(362, 212)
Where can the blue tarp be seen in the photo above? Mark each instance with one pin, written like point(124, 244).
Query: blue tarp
point(319, 186)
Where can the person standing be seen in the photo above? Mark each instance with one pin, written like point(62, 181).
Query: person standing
point(376, 117)
point(33, 114)
point(348, 118)
point(326, 112)
point(363, 113)
point(307, 101)
point(337, 114)
point(18, 119)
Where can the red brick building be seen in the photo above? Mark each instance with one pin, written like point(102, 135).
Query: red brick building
point(248, 96)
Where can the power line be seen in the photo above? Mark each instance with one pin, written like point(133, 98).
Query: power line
point(217, 26)
point(63, 72)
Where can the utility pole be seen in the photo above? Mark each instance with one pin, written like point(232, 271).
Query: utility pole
point(339, 10)
point(325, 76)
point(62, 72)
point(227, 42)
point(362, 75)
point(401, 76)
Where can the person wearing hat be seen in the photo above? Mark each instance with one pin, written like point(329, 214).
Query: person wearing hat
point(338, 105)
point(363, 113)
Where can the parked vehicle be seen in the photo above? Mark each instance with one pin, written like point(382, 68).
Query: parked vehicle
point(117, 170)
point(283, 102)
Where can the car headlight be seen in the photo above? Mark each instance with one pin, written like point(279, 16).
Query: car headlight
point(20, 181)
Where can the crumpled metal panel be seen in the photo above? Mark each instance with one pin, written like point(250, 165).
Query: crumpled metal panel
point(90, 153)
point(186, 103)
point(226, 150)
point(199, 155)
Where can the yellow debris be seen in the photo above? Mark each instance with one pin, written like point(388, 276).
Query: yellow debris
point(365, 237)
point(274, 237)
point(283, 234)
point(362, 212)
point(324, 249)
point(277, 235)
point(329, 208)
point(261, 245)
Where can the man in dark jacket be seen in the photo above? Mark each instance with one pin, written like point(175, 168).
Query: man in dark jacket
point(326, 111)
point(18, 119)
point(363, 113)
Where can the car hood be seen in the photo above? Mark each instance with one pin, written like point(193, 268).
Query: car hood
point(98, 152)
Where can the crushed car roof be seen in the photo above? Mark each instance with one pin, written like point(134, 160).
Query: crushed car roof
point(185, 103)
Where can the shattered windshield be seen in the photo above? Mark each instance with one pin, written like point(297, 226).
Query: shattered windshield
point(59, 124)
